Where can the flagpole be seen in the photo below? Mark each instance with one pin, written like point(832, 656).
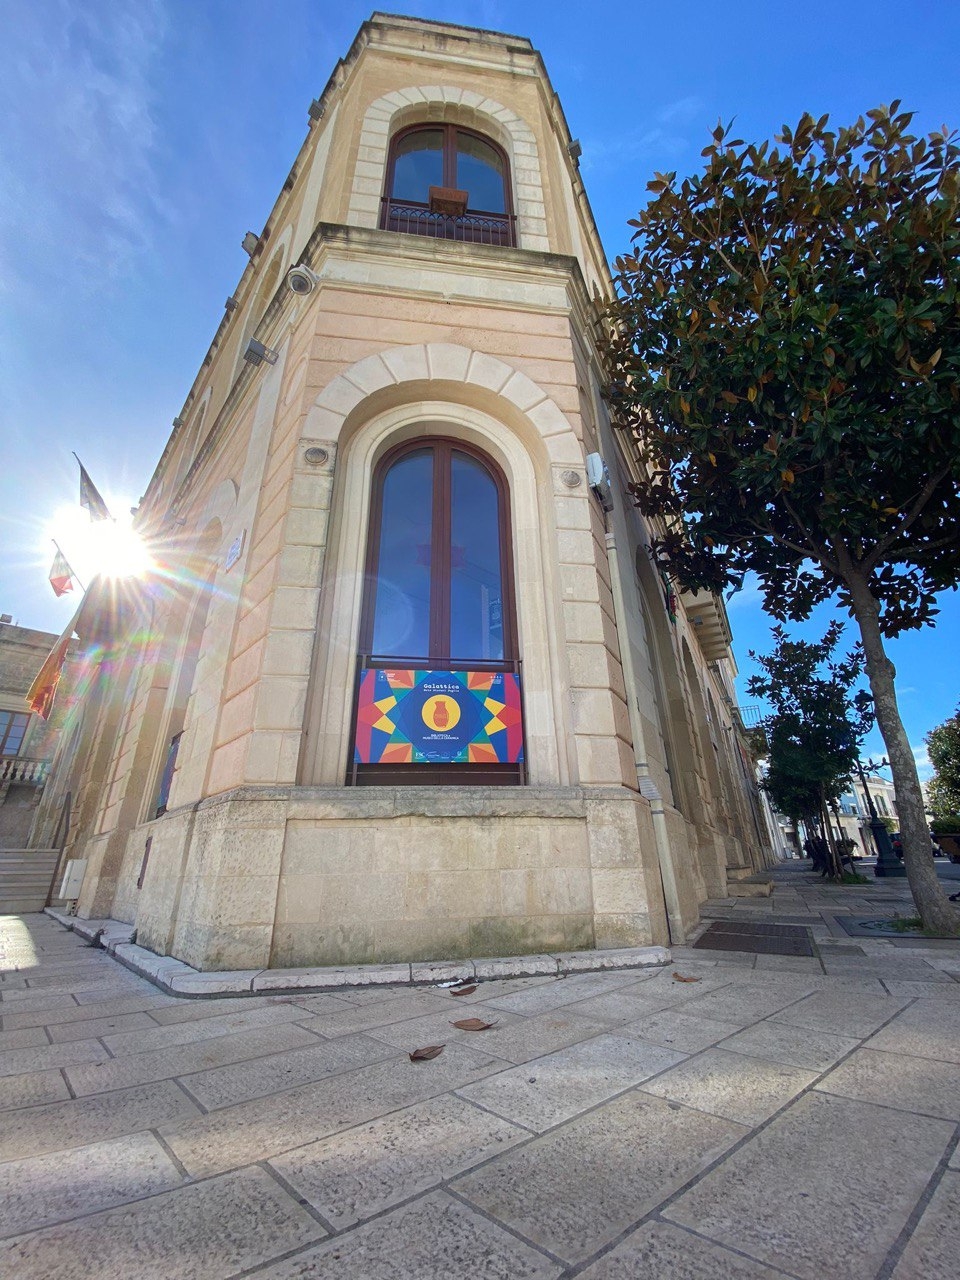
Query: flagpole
point(73, 571)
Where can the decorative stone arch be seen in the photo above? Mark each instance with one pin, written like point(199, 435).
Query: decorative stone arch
point(438, 362)
point(462, 106)
point(395, 395)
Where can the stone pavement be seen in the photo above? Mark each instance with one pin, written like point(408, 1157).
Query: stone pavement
point(778, 1116)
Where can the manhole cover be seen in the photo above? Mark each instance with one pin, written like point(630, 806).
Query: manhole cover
point(757, 939)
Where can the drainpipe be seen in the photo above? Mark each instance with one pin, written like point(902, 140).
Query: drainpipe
point(645, 783)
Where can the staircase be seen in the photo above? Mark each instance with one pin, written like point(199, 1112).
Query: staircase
point(744, 882)
point(25, 876)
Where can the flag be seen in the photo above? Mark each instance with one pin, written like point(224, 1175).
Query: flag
point(41, 693)
point(90, 498)
point(61, 575)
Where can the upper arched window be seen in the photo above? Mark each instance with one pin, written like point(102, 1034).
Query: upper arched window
point(448, 182)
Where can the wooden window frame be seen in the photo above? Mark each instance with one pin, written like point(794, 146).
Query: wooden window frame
point(474, 225)
point(442, 448)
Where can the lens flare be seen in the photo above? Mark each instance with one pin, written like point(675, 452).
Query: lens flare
point(105, 548)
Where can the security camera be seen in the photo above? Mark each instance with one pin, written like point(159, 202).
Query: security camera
point(301, 280)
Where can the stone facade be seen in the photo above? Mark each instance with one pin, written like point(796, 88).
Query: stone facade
point(637, 794)
point(26, 751)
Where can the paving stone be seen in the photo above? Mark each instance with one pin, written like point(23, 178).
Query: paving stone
point(412, 1004)
point(747, 1090)
point(17, 1061)
point(561, 1085)
point(181, 1009)
point(555, 993)
point(796, 1046)
point(435, 1238)
point(76, 1123)
point(64, 1014)
point(28, 1038)
point(201, 1029)
point(923, 1085)
point(111, 1024)
point(845, 1013)
point(928, 1029)
point(31, 1002)
point(617, 1007)
point(31, 1088)
point(934, 1247)
point(225, 1086)
point(438, 1028)
point(659, 1251)
point(71, 1184)
point(824, 1190)
point(183, 1060)
point(743, 1002)
point(526, 1038)
point(941, 991)
point(207, 1231)
point(580, 1186)
point(676, 1029)
point(265, 1127)
point(352, 1176)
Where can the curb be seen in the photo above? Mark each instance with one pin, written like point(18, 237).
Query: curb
point(179, 979)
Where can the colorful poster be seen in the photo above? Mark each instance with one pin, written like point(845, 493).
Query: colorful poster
point(439, 717)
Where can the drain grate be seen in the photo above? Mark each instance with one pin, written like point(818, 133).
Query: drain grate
point(757, 939)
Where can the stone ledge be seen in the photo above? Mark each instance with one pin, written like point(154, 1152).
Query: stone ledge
point(179, 979)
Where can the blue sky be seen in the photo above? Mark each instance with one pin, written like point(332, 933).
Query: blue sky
point(142, 138)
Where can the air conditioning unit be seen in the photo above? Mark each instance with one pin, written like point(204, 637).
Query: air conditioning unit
point(598, 478)
point(72, 881)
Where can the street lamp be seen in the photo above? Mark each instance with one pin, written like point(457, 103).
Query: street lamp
point(888, 864)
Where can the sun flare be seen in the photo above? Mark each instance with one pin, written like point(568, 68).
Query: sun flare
point(104, 548)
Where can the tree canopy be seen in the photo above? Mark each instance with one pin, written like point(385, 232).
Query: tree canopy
point(786, 362)
point(943, 743)
point(819, 720)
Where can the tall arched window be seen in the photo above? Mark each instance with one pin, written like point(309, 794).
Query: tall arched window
point(439, 585)
point(448, 182)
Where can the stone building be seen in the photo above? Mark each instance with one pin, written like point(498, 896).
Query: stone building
point(406, 684)
point(27, 743)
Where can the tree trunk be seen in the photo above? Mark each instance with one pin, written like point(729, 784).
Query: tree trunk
point(828, 836)
point(935, 910)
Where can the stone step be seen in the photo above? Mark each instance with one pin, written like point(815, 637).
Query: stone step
point(755, 886)
point(740, 873)
point(25, 876)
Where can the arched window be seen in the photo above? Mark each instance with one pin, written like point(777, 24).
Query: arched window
point(439, 592)
point(448, 182)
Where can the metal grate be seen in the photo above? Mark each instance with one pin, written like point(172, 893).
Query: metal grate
point(757, 939)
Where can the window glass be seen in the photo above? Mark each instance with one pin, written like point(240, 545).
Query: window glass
point(418, 165)
point(401, 622)
point(13, 727)
point(476, 589)
point(480, 174)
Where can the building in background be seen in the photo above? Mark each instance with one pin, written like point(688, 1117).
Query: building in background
point(855, 811)
point(27, 743)
point(406, 683)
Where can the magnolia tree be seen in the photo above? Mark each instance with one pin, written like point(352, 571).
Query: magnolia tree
point(786, 361)
point(943, 743)
point(818, 721)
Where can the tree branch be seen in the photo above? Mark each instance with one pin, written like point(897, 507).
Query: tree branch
point(923, 497)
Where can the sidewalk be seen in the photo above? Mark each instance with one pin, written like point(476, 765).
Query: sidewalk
point(779, 1115)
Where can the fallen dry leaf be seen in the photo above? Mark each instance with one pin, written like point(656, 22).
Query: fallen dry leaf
point(463, 991)
point(678, 977)
point(424, 1055)
point(473, 1024)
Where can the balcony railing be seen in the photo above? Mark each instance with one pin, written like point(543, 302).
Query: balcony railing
point(23, 770)
point(471, 228)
